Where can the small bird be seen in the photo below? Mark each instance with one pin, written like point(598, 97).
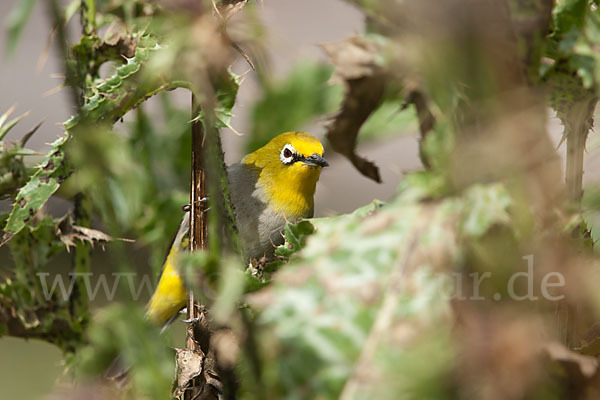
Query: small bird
point(270, 186)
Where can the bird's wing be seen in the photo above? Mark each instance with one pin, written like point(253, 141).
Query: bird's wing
point(170, 294)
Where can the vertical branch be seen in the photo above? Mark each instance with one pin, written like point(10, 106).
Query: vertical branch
point(198, 184)
point(71, 74)
point(577, 126)
point(197, 230)
point(88, 16)
point(574, 170)
point(81, 258)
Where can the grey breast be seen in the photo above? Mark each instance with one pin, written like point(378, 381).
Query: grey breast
point(258, 225)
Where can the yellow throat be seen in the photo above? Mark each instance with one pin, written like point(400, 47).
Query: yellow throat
point(290, 165)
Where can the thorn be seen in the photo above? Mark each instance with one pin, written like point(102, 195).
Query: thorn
point(238, 133)
point(28, 135)
point(187, 207)
point(216, 9)
point(7, 236)
point(243, 54)
point(4, 117)
point(43, 58)
point(53, 91)
point(194, 320)
point(5, 129)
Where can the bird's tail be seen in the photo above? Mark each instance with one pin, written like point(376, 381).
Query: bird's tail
point(169, 297)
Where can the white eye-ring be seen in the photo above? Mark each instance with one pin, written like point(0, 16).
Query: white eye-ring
point(287, 154)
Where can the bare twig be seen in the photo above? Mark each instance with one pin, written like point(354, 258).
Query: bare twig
point(426, 120)
point(228, 11)
point(70, 73)
point(577, 126)
point(197, 229)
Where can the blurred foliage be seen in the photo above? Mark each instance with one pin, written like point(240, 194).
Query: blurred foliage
point(363, 305)
point(15, 22)
point(390, 118)
point(137, 344)
point(290, 104)
point(323, 308)
point(13, 171)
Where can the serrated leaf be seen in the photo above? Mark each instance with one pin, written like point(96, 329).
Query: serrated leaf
point(225, 96)
point(295, 237)
point(123, 92)
point(40, 187)
point(367, 293)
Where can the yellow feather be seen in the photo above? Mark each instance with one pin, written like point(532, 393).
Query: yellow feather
point(289, 190)
point(170, 295)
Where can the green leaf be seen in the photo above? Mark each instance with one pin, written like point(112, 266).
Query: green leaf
point(40, 187)
point(388, 119)
point(15, 22)
point(569, 14)
point(226, 94)
point(485, 206)
point(422, 185)
point(295, 238)
point(386, 264)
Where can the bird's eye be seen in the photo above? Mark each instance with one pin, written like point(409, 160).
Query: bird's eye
point(287, 154)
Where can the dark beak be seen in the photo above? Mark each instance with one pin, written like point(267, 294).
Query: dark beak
point(316, 160)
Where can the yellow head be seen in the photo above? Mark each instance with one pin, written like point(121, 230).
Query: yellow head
point(289, 165)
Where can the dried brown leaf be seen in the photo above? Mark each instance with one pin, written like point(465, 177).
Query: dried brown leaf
point(228, 8)
point(70, 233)
point(581, 366)
point(353, 58)
point(189, 366)
point(116, 32)
point(355, 62)
point(425, 117)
